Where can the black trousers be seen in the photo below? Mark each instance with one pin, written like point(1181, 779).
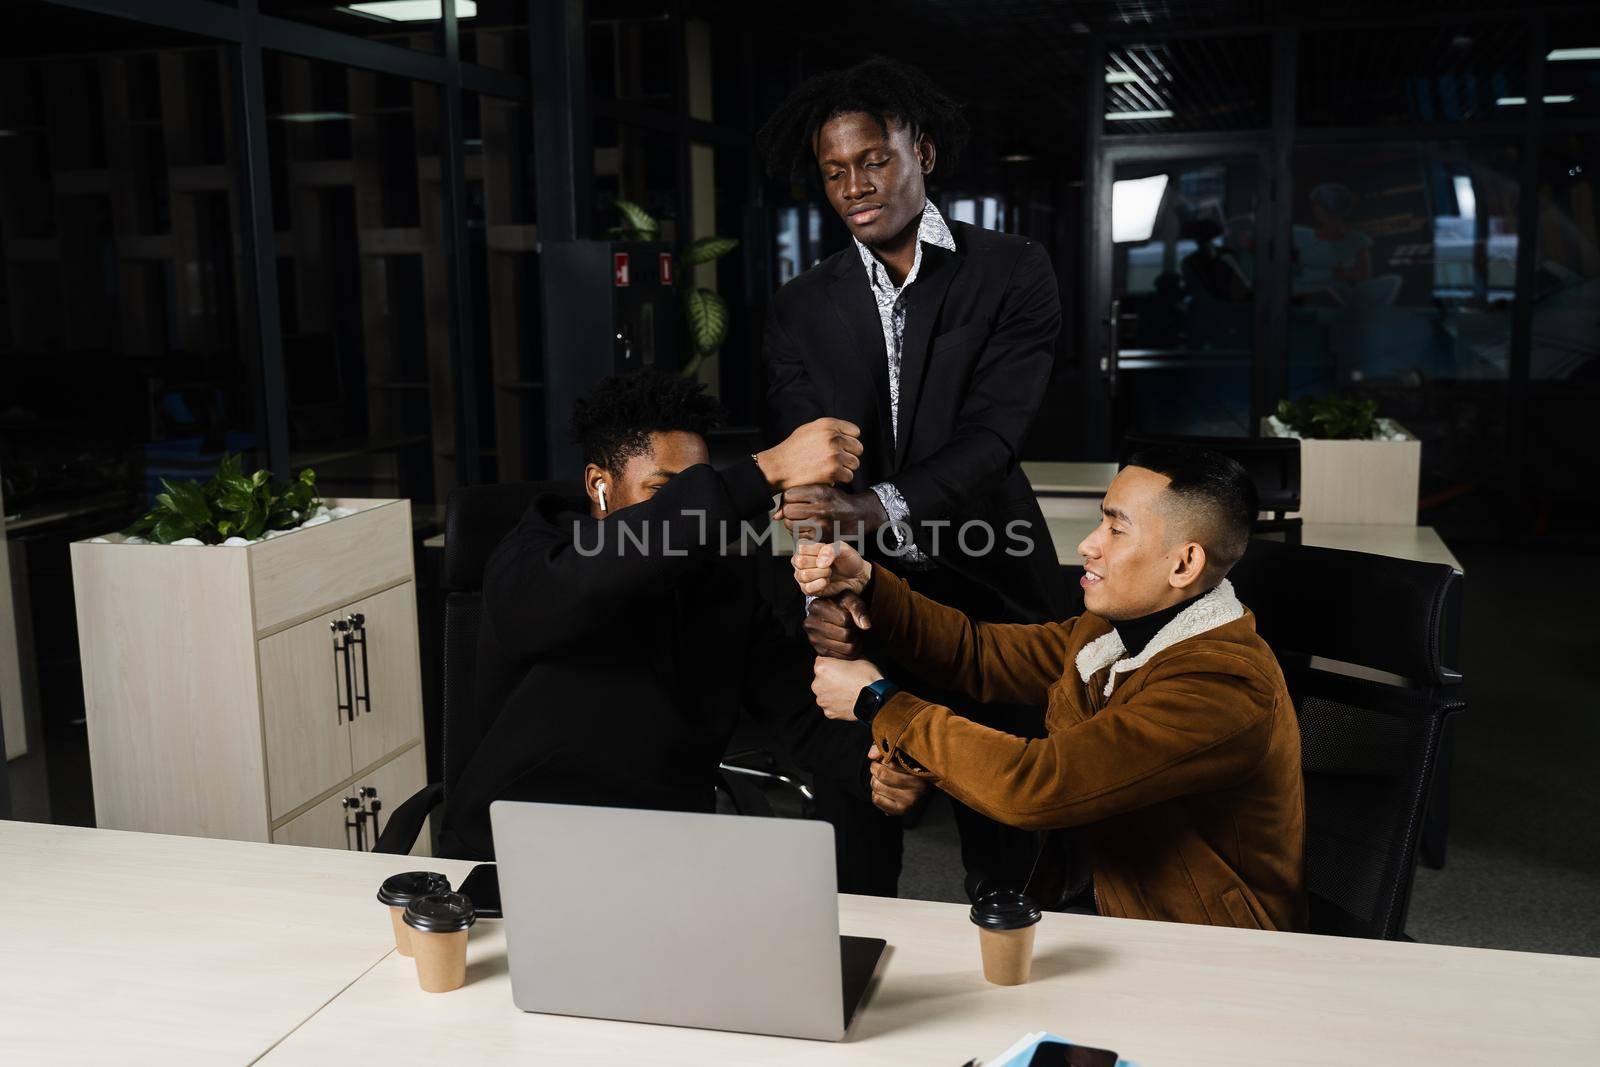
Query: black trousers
point(868, 844)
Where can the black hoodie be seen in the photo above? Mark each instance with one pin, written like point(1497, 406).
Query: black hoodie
point(613, 674)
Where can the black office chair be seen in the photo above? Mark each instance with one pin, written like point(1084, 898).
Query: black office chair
point(1272, 462)
point(476, 519)
point(1370, 746)
point(1366, 647)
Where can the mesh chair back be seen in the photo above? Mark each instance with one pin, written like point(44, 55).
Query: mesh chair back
point(1361, 642)
point(476, 519)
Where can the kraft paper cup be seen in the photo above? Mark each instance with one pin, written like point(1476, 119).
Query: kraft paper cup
point(399, 891)
point(438, 927)
point(1007, 922)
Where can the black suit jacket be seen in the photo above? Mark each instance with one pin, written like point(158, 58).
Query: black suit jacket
point(616, 678)
point(981, 326)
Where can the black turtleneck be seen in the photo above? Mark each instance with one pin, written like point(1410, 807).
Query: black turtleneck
point(1136, 633)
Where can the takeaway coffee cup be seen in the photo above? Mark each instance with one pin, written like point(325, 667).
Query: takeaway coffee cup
point(1006, 922)
point(400, 890)
point(438, 924)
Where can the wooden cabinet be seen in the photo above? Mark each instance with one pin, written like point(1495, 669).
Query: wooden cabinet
point(266, 692)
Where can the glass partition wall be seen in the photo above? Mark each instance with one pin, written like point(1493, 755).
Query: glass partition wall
point(295, 232)
point(1404, 212)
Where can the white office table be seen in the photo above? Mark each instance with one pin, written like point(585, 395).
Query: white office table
point(1069, 479)
point(134, 948)
point(142, 948)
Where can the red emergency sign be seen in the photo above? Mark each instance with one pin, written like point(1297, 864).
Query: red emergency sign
point(619, 268)
point(666, 268)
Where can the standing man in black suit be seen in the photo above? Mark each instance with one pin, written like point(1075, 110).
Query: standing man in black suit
point(937, 340)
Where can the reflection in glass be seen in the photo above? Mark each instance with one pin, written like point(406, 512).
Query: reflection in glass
point(364, 292)
point(1454, 72)
point(1403, 263)
point(1403, 273)
point(1182, 280)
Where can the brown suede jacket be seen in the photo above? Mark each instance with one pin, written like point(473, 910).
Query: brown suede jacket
point(1182, 764)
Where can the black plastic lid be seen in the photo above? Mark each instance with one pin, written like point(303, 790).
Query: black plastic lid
point(440, 913)
point(401, 889)
point(1005, 909)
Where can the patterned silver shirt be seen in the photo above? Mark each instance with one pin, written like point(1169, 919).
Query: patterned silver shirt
point(891, 303)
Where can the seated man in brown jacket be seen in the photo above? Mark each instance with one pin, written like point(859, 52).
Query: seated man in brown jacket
point(1172, 739)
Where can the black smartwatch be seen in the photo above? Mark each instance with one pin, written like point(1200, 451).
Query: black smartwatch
point(873, 696)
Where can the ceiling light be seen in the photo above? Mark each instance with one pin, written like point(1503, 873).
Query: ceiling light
point(1517, 101)
point(1127, 116)
point(314, 116)
point(411, 10)
point(1558, 55)
point(1120, 77)
point(1018, 157)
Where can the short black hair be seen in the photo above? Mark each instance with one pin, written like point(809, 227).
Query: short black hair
point(613, 421)
point(889, 91)
point(1217, 500)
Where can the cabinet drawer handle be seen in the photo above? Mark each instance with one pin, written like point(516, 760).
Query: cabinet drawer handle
point(341, 662)
point(358, 636)
point(355, 821)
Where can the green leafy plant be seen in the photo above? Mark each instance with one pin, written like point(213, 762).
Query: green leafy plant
point(231, 504)
point(704, 310)
point(1332, 417)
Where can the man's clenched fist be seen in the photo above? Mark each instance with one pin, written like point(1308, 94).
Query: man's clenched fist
point(821, 452)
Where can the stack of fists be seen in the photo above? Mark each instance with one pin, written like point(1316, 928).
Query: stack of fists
point(836, 624)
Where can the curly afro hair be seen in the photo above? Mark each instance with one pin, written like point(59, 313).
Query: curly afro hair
point(889, 91)
point(613, 422)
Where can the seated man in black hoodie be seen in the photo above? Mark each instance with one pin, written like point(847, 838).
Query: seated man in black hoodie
point(620, 641)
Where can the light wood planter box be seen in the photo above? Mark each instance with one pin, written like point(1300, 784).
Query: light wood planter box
point(1372, 483)
point(230, 692)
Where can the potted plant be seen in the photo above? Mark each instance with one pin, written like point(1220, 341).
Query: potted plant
point(703, 309)
point(1355, 467)
point(231, 508)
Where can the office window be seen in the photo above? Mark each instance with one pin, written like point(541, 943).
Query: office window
point(1455, 72)
point(364, 291)
point(1212, 83)
point(506, 324)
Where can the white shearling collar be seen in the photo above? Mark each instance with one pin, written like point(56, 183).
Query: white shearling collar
point(1217, 608)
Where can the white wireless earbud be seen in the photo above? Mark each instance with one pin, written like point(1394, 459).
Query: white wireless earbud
point(600, 487)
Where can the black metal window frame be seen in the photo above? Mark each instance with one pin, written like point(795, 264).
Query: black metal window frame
point(1530, 129)
point(250, 34)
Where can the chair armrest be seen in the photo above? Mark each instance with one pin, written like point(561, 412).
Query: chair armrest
point(747, 799)
point(408, 820)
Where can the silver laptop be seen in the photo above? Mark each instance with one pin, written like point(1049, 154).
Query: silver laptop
point(715, 921)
